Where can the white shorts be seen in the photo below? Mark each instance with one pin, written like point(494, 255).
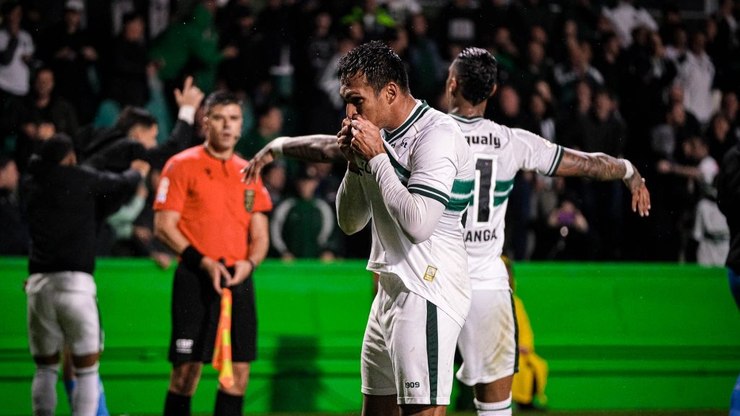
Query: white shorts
point(488, 340)
point(409, 347)
point(63, 310)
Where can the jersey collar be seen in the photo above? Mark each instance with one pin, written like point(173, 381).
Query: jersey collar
point(417, 112)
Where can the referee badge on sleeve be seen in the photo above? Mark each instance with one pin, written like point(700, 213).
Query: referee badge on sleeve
point(249, 199)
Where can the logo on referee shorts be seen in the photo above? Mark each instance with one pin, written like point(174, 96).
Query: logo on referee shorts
point(430, 273)
point(184, 346)
point(249, 199)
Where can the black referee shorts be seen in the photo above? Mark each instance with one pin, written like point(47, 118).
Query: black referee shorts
point(195, 312)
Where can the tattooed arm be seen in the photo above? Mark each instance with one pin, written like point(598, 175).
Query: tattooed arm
point(311, 148)
point(602, 167)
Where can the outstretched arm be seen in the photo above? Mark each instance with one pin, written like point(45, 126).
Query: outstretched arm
point(603, 167)
point(311, 148)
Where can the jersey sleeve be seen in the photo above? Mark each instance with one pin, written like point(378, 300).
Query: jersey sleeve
point(433, 165)
point(262, 200)
point(535, 152)
point(173, 187)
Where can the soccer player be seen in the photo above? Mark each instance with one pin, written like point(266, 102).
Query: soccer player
point(218, 226)
point(65, 202)
point(500, 152)
point(410, 175)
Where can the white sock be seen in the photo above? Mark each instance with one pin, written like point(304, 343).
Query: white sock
point(502, 408)
point(44, 390)
point(87, 392)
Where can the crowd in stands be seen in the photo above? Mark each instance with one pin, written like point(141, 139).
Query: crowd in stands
point(649, 81)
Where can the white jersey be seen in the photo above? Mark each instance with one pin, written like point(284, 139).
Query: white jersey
point(500, 152)
point(431, 158)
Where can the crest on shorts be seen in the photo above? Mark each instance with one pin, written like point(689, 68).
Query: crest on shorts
point(249, 199)
point(430, 273)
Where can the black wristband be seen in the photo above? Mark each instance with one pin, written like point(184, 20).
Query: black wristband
point(254, 265)
point(191, 258)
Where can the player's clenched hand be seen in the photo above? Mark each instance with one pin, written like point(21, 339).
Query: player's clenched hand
point(216, 270)
point(242, 270)
point(259, 161)
point(344, 140)
point(640, 194)
point(366, 139)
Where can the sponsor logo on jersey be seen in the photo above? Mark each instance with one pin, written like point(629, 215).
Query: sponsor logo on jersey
point(489, 140)
point(430, 273)
point(480, 235)
point(249, 199)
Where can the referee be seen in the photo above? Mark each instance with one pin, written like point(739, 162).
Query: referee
point(218, 225)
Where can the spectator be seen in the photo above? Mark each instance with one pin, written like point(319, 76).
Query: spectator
point(578, 68)
point(128, 64)
point(566, 234)
point(711, 231)
point(624, 17)
point(191, 47)
point(301, 226)
point(14, 239)
point(241, 72)
point(69, 50)
point(269, 126)
point(720, 137)
point(375, 20)
point(16, 50)
point(457, 27)
point(40, 109)
point(696, 75)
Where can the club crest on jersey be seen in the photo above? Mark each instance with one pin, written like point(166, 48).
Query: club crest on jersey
point(249, 199)
point(430, 273)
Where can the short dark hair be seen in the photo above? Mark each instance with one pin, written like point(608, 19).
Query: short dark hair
point(132, 116)
point(378, 62)
point(477, 72)
point(220, 98)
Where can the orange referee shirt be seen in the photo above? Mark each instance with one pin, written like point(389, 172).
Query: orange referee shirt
point(214, 204)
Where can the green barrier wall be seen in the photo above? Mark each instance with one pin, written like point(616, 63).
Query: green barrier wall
point(615, 336)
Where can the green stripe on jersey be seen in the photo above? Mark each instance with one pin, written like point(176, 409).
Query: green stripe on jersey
point(428, 194)
point(462, 187)
point(391, 137)
point(466, 120)
point(402, 171)
point(461, 195)
point(430, 189)
point(504, 186)
point(556, 161)
point(459, 204)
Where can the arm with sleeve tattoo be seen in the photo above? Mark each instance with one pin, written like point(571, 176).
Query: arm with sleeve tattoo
point(602, 167)
point(310, 148)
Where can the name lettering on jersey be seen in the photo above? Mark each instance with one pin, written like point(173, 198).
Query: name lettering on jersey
point(164, 187)
point(480, 235)
point(430, 273)
point(489, 140)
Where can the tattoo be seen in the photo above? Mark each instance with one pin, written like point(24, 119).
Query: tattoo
point(318, 148)
point(597, 166)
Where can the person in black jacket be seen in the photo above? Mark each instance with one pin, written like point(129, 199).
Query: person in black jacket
point(63, 204)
